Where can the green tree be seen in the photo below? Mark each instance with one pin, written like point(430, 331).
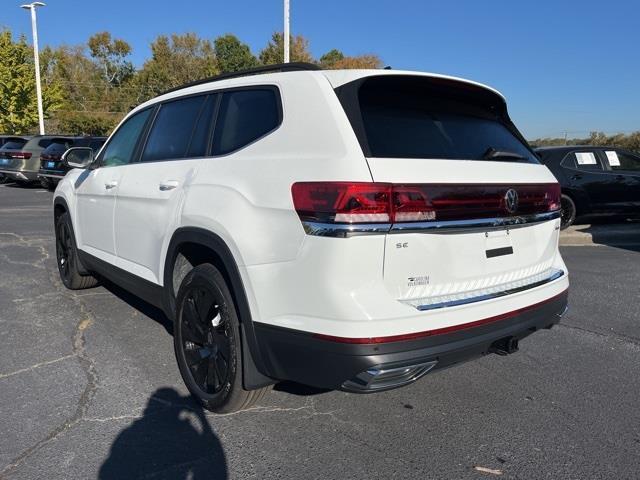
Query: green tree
point(18, 100)
point(174, 61)
point(330, 58)
point(111, 54)
point(274, 51)
point(233, 55)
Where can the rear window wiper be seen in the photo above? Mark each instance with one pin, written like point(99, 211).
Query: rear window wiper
point(493, 154)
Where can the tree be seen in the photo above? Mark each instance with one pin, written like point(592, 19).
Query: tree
point(329, 59)
point(111, 55)
point(18, 100)
point(174, 61)
point(274, 51)
point(359, 61)
point(233, 55)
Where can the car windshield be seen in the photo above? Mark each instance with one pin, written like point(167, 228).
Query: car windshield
point(418, 117)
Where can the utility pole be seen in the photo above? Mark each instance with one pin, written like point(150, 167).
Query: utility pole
point(36, 58)
point(286, 31)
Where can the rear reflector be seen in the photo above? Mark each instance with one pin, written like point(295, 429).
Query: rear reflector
point(346, 202)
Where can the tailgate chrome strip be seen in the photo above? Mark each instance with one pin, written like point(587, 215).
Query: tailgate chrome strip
point(479, 224)
point(345, 230)
point(498, 291)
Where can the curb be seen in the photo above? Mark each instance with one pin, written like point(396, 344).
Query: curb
point(619, 234)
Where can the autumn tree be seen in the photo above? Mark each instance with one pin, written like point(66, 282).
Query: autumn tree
point(274, 51)
point(233, 55)
point(18, 100)
point(176, 60)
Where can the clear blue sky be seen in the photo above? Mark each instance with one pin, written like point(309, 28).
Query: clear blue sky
point(564, 65)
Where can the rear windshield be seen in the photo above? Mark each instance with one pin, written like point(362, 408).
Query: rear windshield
point(418, 117)
point(14, 144)
point(58, 146)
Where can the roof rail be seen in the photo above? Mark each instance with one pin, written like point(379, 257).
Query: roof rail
point(278, 67)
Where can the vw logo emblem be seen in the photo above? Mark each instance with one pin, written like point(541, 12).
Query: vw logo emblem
point(511, 200)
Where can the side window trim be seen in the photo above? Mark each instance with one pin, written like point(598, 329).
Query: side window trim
point(103, 149)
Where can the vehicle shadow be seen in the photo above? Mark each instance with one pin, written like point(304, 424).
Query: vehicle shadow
point(621, 235)
point(143, 307)
point(172, 439)
point(159, 316)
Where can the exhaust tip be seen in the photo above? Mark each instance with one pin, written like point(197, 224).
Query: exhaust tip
point(383, 377)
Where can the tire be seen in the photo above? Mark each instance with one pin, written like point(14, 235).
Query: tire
point(48, 184)
point(67, 256)
point(207, 343)
point(568, 215)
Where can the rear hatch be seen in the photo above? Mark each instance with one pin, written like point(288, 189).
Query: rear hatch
point(50, 158)
point(11, 152)
point(475, 212)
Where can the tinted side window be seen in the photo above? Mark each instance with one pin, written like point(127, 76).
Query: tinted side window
point(588, 161)
point(122, 144)
point(172, 129)
point(245, 116)
point(623, 161)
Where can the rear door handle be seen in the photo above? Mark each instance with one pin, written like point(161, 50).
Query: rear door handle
point(577, 176)
point(168, 185)
point(111, 184)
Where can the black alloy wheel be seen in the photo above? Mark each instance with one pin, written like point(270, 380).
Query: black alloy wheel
point(207, 342)
point(64, 252)
point(206, 338)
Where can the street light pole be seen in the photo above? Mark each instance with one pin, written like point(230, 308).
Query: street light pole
point(286, 31)
point(36, 58)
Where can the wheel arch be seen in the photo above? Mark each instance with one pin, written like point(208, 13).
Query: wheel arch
point(197, 246)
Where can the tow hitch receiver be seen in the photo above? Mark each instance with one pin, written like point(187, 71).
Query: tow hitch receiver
point(504, 346)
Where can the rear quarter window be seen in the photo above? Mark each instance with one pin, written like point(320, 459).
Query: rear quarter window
point(245, 116)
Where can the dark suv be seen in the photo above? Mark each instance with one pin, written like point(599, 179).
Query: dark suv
point(594, 180)
point(52, 169)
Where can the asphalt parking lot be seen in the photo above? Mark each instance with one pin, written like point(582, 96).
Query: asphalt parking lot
point(89, 388)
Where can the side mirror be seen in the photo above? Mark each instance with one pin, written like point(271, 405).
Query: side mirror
point(78, 157)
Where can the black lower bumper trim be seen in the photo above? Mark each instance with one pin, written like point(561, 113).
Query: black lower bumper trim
point(300, 357)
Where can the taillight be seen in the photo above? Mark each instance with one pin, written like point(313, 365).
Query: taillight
point(21, 155)
point(342, 202)
point(352, 203)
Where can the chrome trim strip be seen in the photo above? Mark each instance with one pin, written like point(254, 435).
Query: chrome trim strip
point(555, 275)
point(480, 224)
point(345, 230)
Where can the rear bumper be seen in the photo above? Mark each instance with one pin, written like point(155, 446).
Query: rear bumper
point(351, 364)
point(24, 175)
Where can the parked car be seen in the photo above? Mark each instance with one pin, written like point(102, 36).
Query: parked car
point(9, 142)
point(348, 230)
point(52, 169)
point(21, 161)
point(594, 180)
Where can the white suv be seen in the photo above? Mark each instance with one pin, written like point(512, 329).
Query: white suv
point(348, 230)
